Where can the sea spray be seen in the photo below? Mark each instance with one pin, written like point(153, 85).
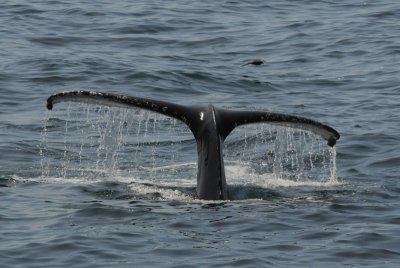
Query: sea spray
point(43, 147)
point(105, 142)
point(262, 153)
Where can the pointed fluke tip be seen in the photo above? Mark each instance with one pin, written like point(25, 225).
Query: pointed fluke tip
point(49, 103)
point(332, 142)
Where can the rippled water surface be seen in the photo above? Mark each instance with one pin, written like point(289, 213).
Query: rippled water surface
point(89, 186)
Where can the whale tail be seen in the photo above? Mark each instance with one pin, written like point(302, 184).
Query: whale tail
point(209, 125)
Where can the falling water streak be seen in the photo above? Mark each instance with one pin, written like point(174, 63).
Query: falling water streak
point(121, 126)
point(80, 156)
point(45, 170)
point(277, 162)
point(66, 158)
point(114, 153)
point(87, 123)
point(104, 141)
point(245, 147)
point(155, 137)
point(98, 141)
point(110, 140)
point(139, 126)
point(309, 152)
point(333, 169)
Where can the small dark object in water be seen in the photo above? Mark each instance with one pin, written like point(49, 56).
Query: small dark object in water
point(255, 62)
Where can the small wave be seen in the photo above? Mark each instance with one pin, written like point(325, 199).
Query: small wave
point(386, 162)
point(21, 9)
point(57, 40)
point(143, 29)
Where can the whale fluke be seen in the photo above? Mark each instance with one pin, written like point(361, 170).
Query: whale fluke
point(209, 125)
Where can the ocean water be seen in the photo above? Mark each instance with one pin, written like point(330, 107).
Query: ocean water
point(92, 186)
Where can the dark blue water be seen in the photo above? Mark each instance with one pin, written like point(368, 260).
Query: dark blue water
point(94, 190)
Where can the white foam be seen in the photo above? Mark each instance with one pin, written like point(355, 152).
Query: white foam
point(57, 180)
point(160, 189)
point(240, 174)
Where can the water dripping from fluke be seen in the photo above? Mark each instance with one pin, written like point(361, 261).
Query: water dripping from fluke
point(156, 141)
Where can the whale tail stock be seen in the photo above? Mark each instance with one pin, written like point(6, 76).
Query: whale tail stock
point(209, 125)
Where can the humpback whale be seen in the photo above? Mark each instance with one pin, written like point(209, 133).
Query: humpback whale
point(209, 125)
